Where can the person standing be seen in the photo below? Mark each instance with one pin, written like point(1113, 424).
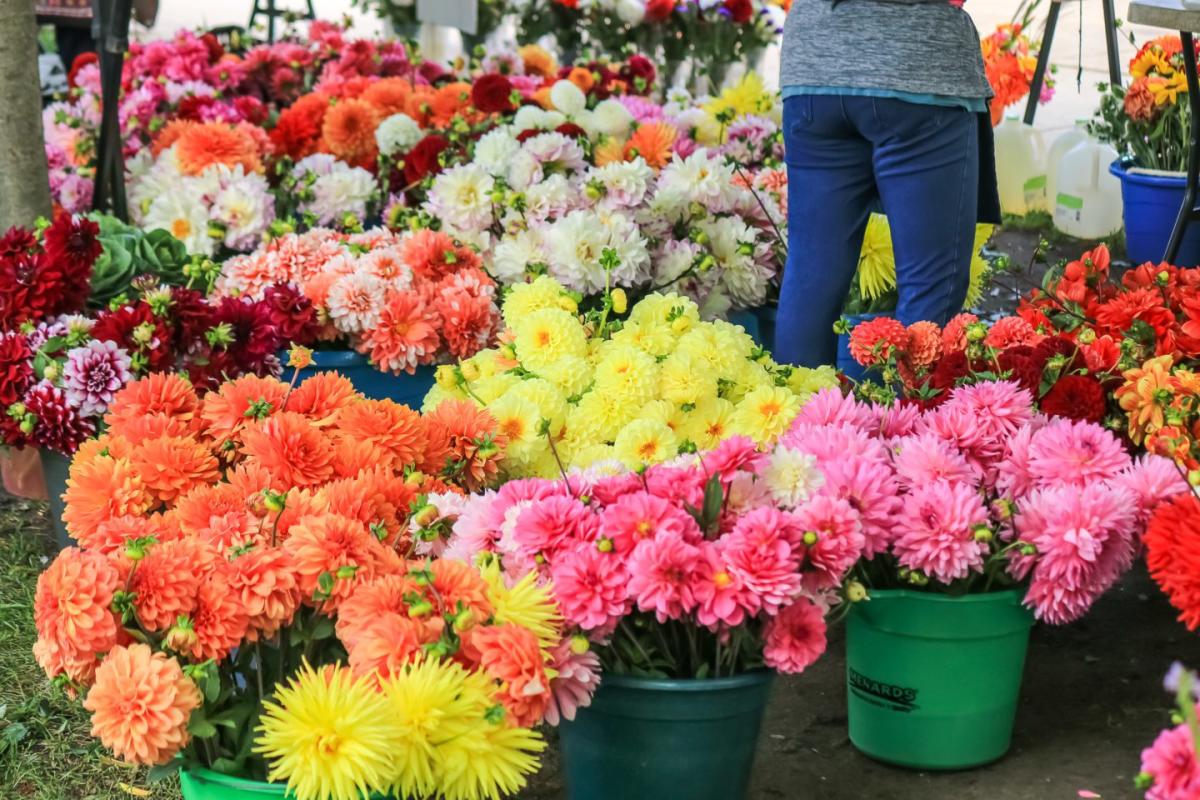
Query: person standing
point(885, 108)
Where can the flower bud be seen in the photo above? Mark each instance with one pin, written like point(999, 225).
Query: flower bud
point(1086, 336)
point(983, 533)
point(300, 357)
point(50, 373)
point(182, 636)
point(274, 501)
point(580, 644)
point(976, 332)
point(604, 545)
point(620, 302)
point(810, 538)
point(421, 608)
point(426, 515)
point(856, 592)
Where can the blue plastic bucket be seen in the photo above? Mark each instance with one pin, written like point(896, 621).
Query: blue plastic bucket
point(403, 388)
point(1151, 205)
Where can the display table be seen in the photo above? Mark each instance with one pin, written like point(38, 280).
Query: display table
point(1173, 15)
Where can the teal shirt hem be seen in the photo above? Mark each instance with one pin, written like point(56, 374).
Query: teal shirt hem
point(977, 105)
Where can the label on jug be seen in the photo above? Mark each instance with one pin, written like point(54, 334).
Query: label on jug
point(1035, 190)
point(1068, 207)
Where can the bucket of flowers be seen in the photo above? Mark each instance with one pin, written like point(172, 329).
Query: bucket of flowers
point(689, 583)
point(979, 516)
point(1147, 123)
point(389, 307)
point(258, 603)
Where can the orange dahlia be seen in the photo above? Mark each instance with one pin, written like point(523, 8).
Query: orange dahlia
point(141, 703)
point(219, 619)
point(1145, 395)
point(111, 535)
point(876, 340)
point(654, 142)
point(72, 612)
point(1010, 332)
point(293, 450)
point(457, 584)
point(233, 529)
point(170, 134)
point(537, 61)
point(171, 466)
point(609, 151)
point(99, 490)
point(159, 394)
point(371, 600)
point(336, 545)
point(366, 498)
point(265, 582)
point(194, 511)
point(351, 456)
point(406, 335)
point(449, 101)
point(239, 402)
point(300, 503)
point(349, 131)
point(582, 77)
point(165, 582)
point(388, 95)
point(387, 644)
point(208, 143)
point(510, 654)
point(397, 431)
point(463, 438)
point(320, 397)
point(924, 343)
point(433, 254)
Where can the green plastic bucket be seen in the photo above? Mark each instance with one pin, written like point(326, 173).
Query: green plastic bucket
point(643, 739)
point(197, 783)
point(933, 681)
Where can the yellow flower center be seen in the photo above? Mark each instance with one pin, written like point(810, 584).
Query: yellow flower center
point(181, 228)
point(722, 579)
point(329, 744)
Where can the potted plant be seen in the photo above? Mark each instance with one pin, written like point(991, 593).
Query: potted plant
point(255, 601)
point(1148, 124)
point(690, 583)
point(979, 517)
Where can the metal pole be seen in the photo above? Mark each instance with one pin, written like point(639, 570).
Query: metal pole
point(1110, 39)
point(1039, 72)
point(113, 41)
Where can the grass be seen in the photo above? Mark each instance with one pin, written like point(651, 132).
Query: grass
point(46, 752)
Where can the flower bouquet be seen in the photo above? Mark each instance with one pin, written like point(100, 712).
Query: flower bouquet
point(1009, 61)
point(634, 385)
point(256, 595)
point(973, 514)
point(693, 578)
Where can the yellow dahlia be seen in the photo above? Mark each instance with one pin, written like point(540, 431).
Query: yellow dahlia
point(546, 335)
point(644, 442)
point(765, 413)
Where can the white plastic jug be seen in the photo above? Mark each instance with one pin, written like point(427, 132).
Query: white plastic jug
point(1088, 203)
point(1020, 167)
point(1062, 144)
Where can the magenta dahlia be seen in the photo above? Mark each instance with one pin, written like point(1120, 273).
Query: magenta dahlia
point(58, 424)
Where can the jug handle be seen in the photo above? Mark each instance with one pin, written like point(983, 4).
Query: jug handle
point(1042, 150)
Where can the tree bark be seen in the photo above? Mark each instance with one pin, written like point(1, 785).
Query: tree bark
point(24, 180)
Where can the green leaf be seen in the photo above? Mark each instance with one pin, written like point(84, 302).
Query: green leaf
point(703, 671)
point(160, 772)
point(714, 496)
point(323, 628)
point(200, 727)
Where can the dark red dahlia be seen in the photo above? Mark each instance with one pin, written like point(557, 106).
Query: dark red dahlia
point(492, 94)
point(71, 245)
point(1076, 397)
point(740, 11)
point(1023, 367)
point(422, 160)
point(639, 73)
point(291, 314)
point(246, 335)
point(1053, 346)
point(17, 242)
point(137, 329)
point(191, 316)
point(950, 368)
point(16, 368)
point(251, 109)
point(572, 130)
point(213, 45)
point(58, 425)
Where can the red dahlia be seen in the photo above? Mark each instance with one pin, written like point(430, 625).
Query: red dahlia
point(1173, 554)
point(1075, 397)
point(422, 160)
point(16, 368)
point(492, 94)
point(58, 426)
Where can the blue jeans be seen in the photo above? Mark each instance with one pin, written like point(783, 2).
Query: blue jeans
point(848, 155)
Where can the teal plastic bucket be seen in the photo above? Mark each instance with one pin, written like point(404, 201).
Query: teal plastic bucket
point(933, 681)
point(749, 322)
point(55, 469)
point(644, 739)
point(403, 388)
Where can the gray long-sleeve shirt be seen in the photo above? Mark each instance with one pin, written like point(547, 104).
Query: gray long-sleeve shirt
point(925, 47)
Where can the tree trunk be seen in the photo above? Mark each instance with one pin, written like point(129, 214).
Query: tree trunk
point(24, 182)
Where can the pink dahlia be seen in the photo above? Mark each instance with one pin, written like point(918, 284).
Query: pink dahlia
point(922, 459)
point(676, 484)
point(766, 565)
point(92, 375)
point(590, 587)
point(1013, 476)
point(406, 335)
point(59, 425)
point(898, 419)
point(835, 442)
point(1152, 479)
point(554, 523)
point(795, 638)
point(832, 407)
point(839, 541)
point(737, 453)
point(1085, 541)
point(608, 489)
point(576, 677)
point(872, 491)
point(935, 531)
point(1070, 452)
point(1000, 407)
point(639, 517)
point(660, 575)
point(721, 597)
point(1172, 762)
